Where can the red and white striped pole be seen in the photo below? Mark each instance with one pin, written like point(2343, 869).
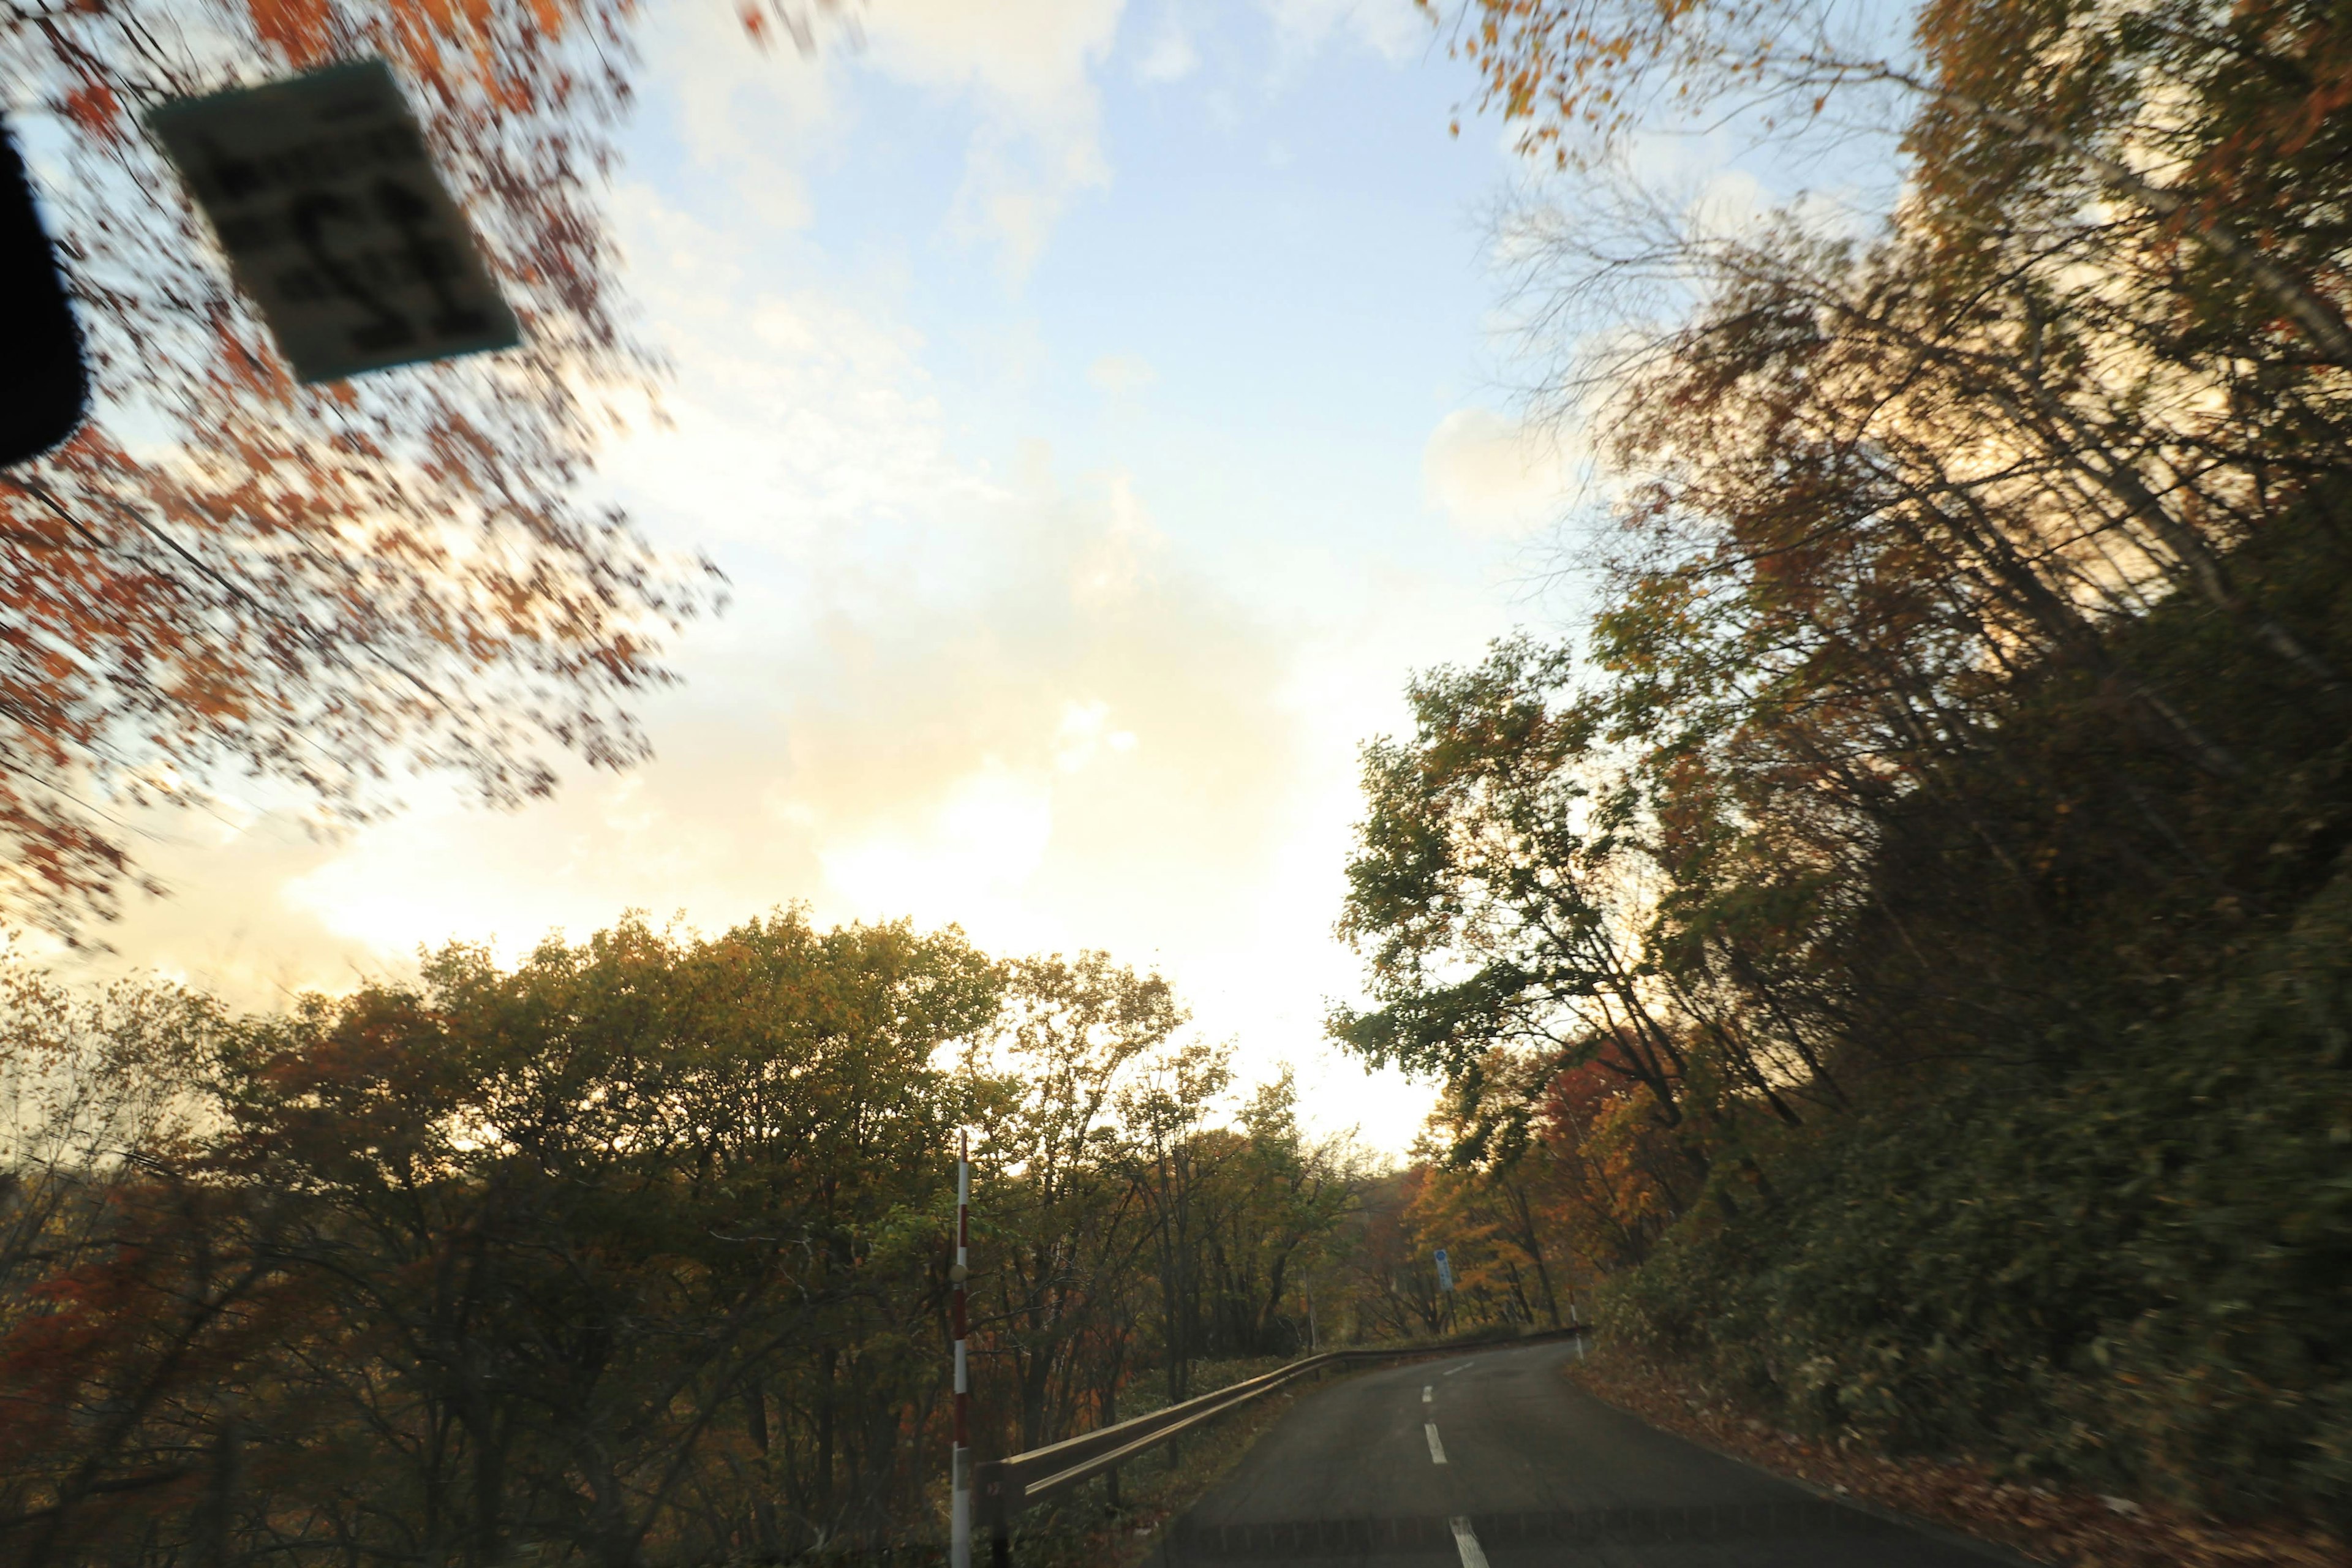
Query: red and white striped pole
point(960, 1472)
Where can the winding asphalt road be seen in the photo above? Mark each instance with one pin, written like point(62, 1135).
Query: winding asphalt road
point(1496, 1460)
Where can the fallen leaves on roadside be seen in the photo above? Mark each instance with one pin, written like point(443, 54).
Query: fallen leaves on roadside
point(2076, 1529)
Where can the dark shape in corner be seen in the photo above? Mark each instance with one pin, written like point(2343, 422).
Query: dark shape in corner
point(42, 389)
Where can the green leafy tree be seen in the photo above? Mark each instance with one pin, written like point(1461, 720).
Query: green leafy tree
point(1065, 1228)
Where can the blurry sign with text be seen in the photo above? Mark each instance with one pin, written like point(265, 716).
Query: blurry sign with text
point(1444, 1270)
point(336, 225)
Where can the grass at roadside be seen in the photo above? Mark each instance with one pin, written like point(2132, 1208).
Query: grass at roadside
point(2078, 1529)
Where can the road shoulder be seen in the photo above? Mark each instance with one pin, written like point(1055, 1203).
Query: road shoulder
point(1083, 1534)
point(1954, 1499)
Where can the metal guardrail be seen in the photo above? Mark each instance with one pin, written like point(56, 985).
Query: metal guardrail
point(1007, 1487)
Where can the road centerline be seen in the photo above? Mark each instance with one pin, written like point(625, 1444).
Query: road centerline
point(1547, 1462)
point(1428, 1394)
point(1465, 1366)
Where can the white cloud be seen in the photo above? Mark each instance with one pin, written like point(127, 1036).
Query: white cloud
point(1121, 375)
point(737, 104)
point(1169, 56)
point(1085, 735)
point(969, 859)
point(794, 415)
point(1032, 53)
point(763, 115)
point(991, 696)
point(1494, 477)
point(1395, 29)
point(898, 746)
point(1029, 65)
point(1731, 203)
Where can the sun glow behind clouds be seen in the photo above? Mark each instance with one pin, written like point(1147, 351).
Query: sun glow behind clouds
point(971, 858)
point(969, 862)
point(1085, 734)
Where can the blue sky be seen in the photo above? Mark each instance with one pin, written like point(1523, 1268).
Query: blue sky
point(1098, 411)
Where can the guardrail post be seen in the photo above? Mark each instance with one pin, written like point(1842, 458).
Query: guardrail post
point(987, 1485)
point(960, 1472)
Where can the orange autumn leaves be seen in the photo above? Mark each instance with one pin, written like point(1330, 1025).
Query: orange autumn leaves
point(1575, 77)
point(436, 40)
point(227, 575)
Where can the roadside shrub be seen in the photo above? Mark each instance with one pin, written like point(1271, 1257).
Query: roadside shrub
point(2135, 1272)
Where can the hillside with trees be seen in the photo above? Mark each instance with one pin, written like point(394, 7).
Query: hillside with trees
point(1908, 937)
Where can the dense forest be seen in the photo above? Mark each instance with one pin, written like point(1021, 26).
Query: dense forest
point(1910, 935)
point(637, 1252)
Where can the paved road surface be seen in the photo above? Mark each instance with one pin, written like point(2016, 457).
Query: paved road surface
point(1493, 1461)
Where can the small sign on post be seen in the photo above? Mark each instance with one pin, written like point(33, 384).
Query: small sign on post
point(336, 224)
point(1444, 1271)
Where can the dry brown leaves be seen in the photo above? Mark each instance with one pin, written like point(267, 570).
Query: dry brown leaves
point(2080, 1529)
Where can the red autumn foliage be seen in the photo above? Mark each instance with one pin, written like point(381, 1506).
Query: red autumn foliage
point(225, 573)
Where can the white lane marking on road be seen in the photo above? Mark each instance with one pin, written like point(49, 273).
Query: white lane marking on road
point(1465, 1366)
point(1428, 1396)
point(1465, 1541)
point(1436, 1448)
